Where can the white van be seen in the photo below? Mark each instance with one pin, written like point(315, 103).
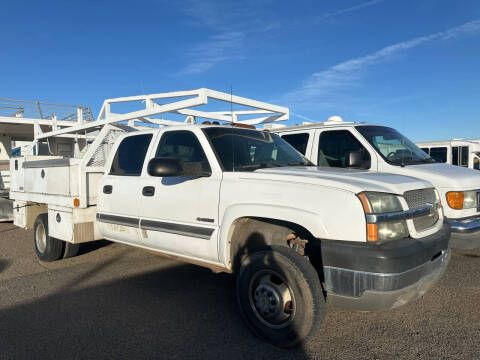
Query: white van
point(336, 143)
point(460, 152)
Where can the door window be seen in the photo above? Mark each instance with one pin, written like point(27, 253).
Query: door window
point(454, 155)
point(425, 150)
point(130, 155)
point(184, 146)
point(464, 156)
point(298, 141)
point(439, 154)
point(335, 147)
point(460, 155)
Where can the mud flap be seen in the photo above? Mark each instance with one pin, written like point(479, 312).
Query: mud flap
point(6, 210)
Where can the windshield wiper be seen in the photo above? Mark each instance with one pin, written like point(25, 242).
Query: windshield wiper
point(299, 163)
point(254, 167)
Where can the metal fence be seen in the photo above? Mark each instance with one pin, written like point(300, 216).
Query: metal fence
point(44, 110)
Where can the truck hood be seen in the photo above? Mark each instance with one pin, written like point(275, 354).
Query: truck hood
point(348, 179)
point(444, 175)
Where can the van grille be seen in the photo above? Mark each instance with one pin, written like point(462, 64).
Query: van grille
point(417, 199)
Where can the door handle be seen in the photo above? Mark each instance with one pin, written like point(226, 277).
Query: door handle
point(107, 189)
point(148, 191)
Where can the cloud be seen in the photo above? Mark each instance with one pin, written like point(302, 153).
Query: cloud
point(348, 72)
point(220, 47)
point(351, 9)
point(232, 22)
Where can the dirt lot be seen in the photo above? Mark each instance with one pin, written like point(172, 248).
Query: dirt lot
point(115, 301)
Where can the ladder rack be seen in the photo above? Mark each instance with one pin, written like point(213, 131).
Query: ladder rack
point(185, 103)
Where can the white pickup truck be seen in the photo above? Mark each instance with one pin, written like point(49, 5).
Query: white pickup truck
point(339, 144)
point(243, 201)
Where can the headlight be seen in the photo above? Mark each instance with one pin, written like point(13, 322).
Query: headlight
point(392, 230)
point(459, 200)
point(381, 203)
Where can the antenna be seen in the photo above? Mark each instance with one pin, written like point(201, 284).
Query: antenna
point(233, 136)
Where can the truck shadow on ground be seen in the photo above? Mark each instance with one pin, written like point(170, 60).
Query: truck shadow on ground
point(182, 311)
point(92, 246)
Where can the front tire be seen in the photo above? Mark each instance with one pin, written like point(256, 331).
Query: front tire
point(280, 296)
point(46, 247)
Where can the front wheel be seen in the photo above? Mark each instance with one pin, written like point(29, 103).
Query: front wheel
point(46, 247)
point(280, 296)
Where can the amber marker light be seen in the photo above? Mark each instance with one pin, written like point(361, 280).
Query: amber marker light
point(372, 229)
point(76, 202)
point(372, 232)
point(365, 203)
point(455, 199)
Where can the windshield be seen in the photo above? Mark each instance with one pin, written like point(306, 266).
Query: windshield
point(249, 150)
point(395, 148)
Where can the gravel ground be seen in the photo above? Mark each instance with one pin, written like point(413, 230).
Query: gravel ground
point(115, 301)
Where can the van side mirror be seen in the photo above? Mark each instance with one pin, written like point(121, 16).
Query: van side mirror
point(354, 159)
point(164, 167)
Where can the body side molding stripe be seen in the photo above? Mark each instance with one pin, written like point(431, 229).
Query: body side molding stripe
point(172, 228)
point(179, 229)
point(119, 220)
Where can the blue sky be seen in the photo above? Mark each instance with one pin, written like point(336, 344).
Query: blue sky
point(413, 65)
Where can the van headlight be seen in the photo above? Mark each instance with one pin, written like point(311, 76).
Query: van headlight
point(459, 200)
point(376, 203)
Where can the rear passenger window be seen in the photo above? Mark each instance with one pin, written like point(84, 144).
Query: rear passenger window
point(298, 141)
point(335, 147)
point(130, 155)
point(184, 146)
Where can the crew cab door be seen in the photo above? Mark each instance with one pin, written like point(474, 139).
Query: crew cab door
point(179, 214)
point(120, 191)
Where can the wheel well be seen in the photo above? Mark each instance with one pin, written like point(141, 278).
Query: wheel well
point(250, 233)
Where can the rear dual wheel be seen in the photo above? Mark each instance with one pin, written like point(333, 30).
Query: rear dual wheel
point(48, 248)
point(280, 296)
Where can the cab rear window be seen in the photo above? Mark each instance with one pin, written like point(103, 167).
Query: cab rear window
point(130, 155)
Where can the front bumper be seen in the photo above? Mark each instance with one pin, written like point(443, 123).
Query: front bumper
point(368, 277)
point(465, 233)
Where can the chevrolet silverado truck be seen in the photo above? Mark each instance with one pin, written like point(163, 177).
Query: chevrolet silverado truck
point(241, 201)
point(339, 144)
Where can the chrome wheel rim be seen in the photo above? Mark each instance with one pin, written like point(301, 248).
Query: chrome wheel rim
point(41, 238)
point(271, 299)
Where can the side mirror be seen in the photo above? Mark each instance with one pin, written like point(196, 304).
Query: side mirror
point(165, 167)
point(354, 159)
point(170, 167)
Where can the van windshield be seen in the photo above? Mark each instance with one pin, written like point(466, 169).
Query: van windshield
point(249, 150)
point(395, 148)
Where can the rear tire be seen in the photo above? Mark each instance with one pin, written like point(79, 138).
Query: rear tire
point(70, 250)
point(46, 247)
point(280, 296)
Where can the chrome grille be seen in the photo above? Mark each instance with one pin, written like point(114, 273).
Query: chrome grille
point(417, 199)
